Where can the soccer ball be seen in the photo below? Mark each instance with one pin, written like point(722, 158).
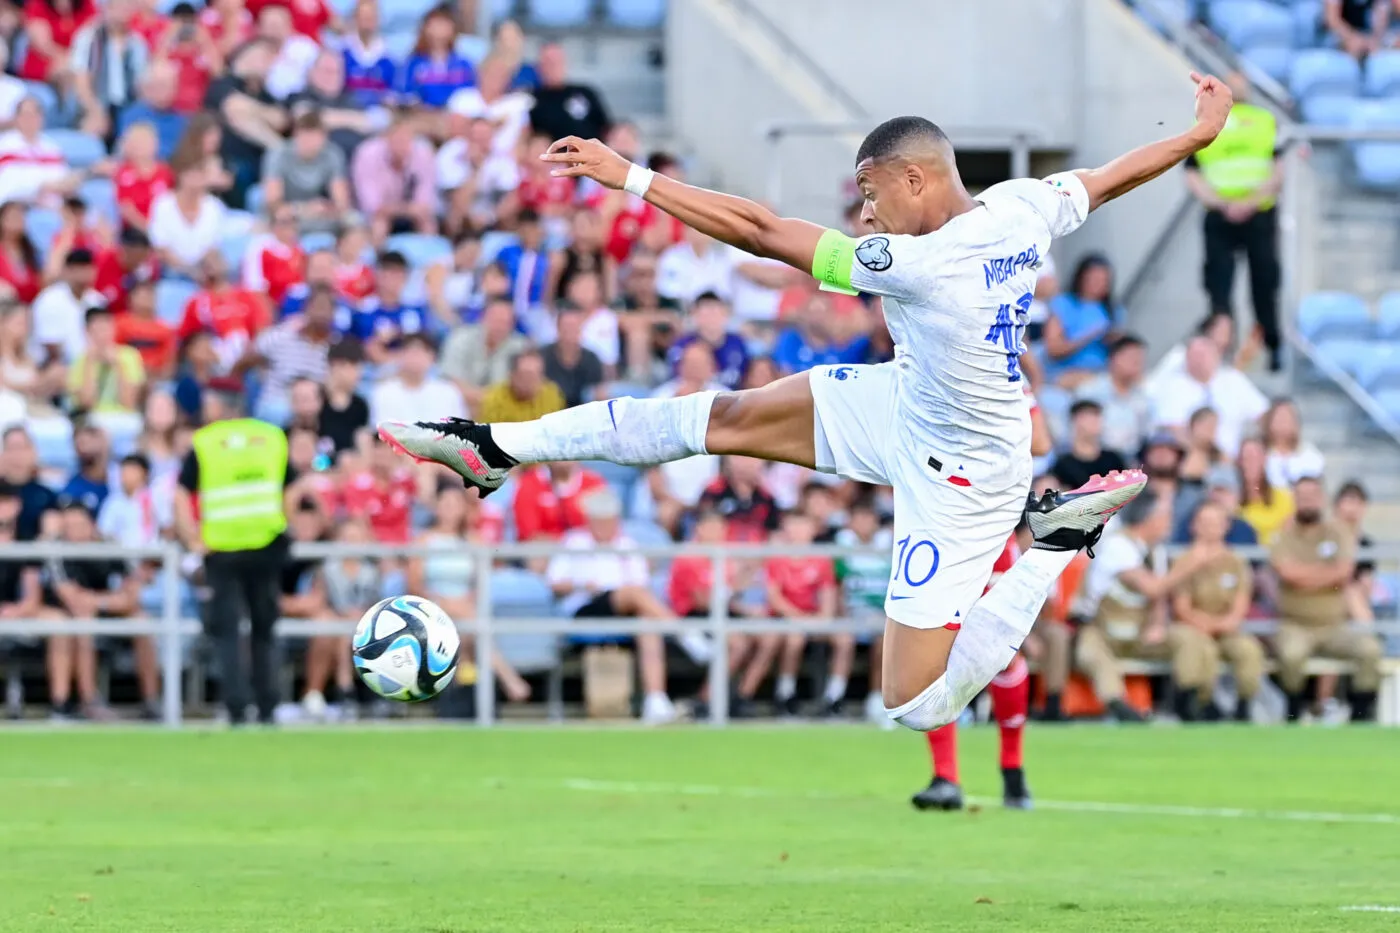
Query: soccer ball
point(406, 648)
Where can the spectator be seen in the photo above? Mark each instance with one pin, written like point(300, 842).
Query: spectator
point(1127, 411)
point(108, 61)
point(548, 499)
point(139, 178)
point(249, 118)
point(1349, 509)
point(296, 347)
point(106, 376)
point(1210, 607)
point(568, 364)
point(525, 395)
point(1124, 602)
point(229, 24)
point(593, 581)
point(1264, 506)
point(60, 311)
point(807, 341)
point(20, 586)
point(1220, 488)
point(551, 196)
point(304, 396)
point(301, 591)
point(414, 390)
point(709, 315)
point(187, 223)
point(369, 71)
point(87, 588)
point(20, 462)
point(353, 276)
point(293, 52)
point(434, 72)
point(308, 174)
point(198, 367)
point(351, 585)
point(527, 264)
point(91, 484)
point(385, 316)
point(50, 26)
point(384, 494)
point(473, 179)
point(346, 120)
point(740, 496)
point(1315, 560)
point(695, 372)
point(162, 445)
point(563, 108)
point(231, 314)
point(188, 55)
point(344, 413)
point(584, 253)
point(129, 515)
point(320, 273)
point(1204, 383)
point(12, 92)
point(276, 263)
point(447, 574)
point(805, 588)
point(19, 373)
point(477, 355)
point(395, 181)
point(507, 111)
point(1082, 323)
point(32, 166)
point(1086, 456)
point(156, 110)
point(696, 266)
point(1358, 26)
point(1201, 451)
point(599, 329)
point(1289, 457)
point(20, 272)
point(75, 231)
point(307, 17)
point(864, 579)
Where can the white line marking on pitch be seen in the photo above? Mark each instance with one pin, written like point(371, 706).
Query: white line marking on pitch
point(1072, 806)
point(1371, 909)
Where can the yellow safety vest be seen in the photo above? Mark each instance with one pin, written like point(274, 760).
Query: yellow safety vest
point(242, 469)
point(1242, 156)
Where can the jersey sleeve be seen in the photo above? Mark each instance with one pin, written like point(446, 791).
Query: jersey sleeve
point(879, 264)
point(1061, 200)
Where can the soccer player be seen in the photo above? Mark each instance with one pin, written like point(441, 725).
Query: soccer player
point(945, 423)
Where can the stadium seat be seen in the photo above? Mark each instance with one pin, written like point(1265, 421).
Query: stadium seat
point(315, 242)
point(398, 45)
point(1382, 73)
point(492, 242)
point(1166, 15)
point(1377, 161)
point(1243, 23)
point(559, 14)
point(47, 97)
point(1332, 315)
point(1329, 109)
point(1272, 60)
point(1388, 316)
point(1346, 353)
point(53, 442)
point(234, 248)
point(1389, 401)
point(255, 200)
point(502, 9)
point(622, 478)
point(635, 14)
point(100, 196)
point(171, 297)
point(420, 249)
point(520, 594)
point(1324, 71)
point(472, 48)
point(1307, 17)
point(403, 15)
point(42, 225)
point(80, 150)
point(1379, 367)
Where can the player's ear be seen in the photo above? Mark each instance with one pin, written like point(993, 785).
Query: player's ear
point(915, 179)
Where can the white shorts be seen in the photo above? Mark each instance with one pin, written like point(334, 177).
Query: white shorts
point(949, 530)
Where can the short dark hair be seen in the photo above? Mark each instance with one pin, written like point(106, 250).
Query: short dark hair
point(78, 257)
point(133, 238)
point(138, 459)
point(709, 295)
point(528, 216)
point(1307, 479)
point(1125, 342)
point(525, 354)
point(1083, 405)
point(393, 259)
point(1353, 488)
point(94, 313)
point(1140, 509)
point(892, 135)
point(660, 161)
point(346, 350)
point(310, 120)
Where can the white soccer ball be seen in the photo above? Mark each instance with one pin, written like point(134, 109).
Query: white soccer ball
point(406, 648)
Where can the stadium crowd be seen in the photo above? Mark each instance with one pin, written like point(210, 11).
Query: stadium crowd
point(257, 200)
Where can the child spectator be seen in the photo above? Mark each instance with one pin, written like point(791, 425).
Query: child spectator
point(354, 278)
point(383, 495)
point(276, 262)
point(804, 588)
point(119, 270)
point(344, 414)
point(231, 314)
point(351, 585)
point(864, 578)
point(140, 329)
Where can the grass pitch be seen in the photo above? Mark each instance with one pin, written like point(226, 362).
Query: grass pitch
point(464, 831)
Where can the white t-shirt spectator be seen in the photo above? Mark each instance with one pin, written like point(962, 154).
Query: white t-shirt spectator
point(498, 175)
point(288, 73)
point(1230, 394)
point(1115, 554)
point(751, 301)
point(589, 570)
point(26, 167)
point(59, 319)
point(187, 242)
point(599, 334)
point(1127, 417)
point(510, 113)
point(681, 275)
point(131, 521)
point(1283, 470)
point(392, 400)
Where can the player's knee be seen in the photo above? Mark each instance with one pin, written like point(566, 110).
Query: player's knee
point(932, 708)
point(726, 424)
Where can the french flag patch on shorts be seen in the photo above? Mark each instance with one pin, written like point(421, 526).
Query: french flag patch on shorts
point(957, 478)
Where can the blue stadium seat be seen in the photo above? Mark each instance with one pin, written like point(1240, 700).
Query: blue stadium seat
point(1388, 316)
point(1379, 367)
point(234, 249)
point(1324, 71)
point(622, 478)
point(171, 297)
point(315, 242)
point(398, 45)
point(1382, 73)
point(1163, 15)
point(1346, 353)
point(42, 225)
point(1272, 60)
point(255, 200)
point(1332, 315)
point(1307, 19)
point(520, 594)
point(559, 14)
point(100, 196)
point(472, 48)
point(646, 534)
point(1377, 161)
point(342, 8)
point(53, 442)
point(1389, 400)
point(403, 15)
point(1329, 109)
point(502, 9)
point(635, 14)
point(47, 97)
point(492, 242)
point(1244, 23)
point(80, 150)
point(420, 249)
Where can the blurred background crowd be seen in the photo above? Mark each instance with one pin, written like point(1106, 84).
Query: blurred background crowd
point(342, 223)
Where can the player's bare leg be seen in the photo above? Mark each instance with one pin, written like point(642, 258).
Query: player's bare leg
point(775, 422)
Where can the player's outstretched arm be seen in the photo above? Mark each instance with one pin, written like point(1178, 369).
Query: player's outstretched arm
point(733, 220)
point(1123, 174)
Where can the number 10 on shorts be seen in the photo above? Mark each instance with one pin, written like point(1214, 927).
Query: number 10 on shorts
point(917, 562)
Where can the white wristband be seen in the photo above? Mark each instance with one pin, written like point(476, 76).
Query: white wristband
point(638, 180)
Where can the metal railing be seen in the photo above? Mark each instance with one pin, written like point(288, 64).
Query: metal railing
point(171, 628)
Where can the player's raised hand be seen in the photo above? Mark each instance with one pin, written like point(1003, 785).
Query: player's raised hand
point(587, 158)
point(1213, 103)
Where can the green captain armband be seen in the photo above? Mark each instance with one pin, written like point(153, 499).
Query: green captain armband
point(831, 264)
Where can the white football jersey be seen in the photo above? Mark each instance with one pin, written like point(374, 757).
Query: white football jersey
point(957, 302)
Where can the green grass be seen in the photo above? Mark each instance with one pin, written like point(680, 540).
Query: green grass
point(440, 831)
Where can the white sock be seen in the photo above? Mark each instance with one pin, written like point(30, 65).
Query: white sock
point(785, 687)
point(636, 431)
point(991, 635)
point(835, 689)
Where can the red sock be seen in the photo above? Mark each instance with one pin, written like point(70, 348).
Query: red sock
point(1011, 697)
point(943, 748)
